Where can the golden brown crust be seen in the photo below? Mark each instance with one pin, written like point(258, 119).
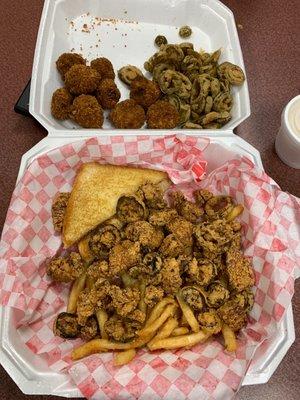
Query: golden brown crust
point(95, 194)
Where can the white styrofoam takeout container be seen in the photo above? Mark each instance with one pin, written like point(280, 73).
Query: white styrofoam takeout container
point(31, 373)
point(126, 35)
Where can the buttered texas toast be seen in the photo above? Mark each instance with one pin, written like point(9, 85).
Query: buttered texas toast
point(95, 194)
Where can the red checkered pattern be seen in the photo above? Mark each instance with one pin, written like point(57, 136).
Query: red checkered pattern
point(271, 225)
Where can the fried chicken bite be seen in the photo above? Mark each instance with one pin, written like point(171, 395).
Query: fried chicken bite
point(61, 103)
point(98, 270)
point(87, 112)
point(131, 209)
point(144, 91)
point(162, 115)
point(188, 210)
point(162, 217)
point(182, 230)
point(172, 247)
point(124, 255)
point(239, 270)
point(200, 272)
point(124, 301)
point(127, 115)
point(201, 196)
point(153, 195)
point(103, 239)
point(104, 67)
point(81, 79)
point(120, 329)
point(90, 330)
point(171, 279)
point(66, 60)
point(216, 295)
point(147, 235)
point(66, 269)
point(58, 210)
point(153, 294)
point(108, 94)
point(218, 207)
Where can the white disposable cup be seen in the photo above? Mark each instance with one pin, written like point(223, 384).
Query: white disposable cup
point(287, 143)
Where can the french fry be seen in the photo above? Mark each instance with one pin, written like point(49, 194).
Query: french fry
point(102, 318)
point(175, 342)
point(184, 321)
point(84, 250)
point(188, 313)
point(158, 309)
point(149, 330)
point(165, 331)
point(229, 338)
point(127, 280)
point(77, 287)
point(142, 305)
point(235, 212)
point(182, 330)
point(124, 357)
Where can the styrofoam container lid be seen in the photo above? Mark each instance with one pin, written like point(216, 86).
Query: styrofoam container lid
point(125, 34)
point(32, 374)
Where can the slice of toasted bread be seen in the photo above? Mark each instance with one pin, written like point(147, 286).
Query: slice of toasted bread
point(95, 194)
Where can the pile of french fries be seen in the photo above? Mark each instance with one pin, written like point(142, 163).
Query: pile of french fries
point(171, 324)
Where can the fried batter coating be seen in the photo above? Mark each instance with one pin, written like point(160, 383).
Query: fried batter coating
point(233, 314)
point(81, 79)
point(137, 316)
point(162, 217)
point(58, 210)
point(200, 272)
point(194, 298)
point(162, 115)
point(153, 294)
point(153, 263)
point(121, 330)
point(214, 236)
point(128, 73)
point(182, 230)
point(104, 68)
point(66, 60)
point(65, 269)
point(98, 270)
point(124, 255)
point(171, 280)
point(202, 196)
point(103, 239)
point(91, 300)
point(147, 235)
point(210, 321)
point(172, 247)
point(66, 326)
point(144, 91)
point(188, 210)
point(128, 115)
point(217, 294)
point(131, 209)
point(87, 112)
point(124, 301)
point(239, 270)
point(90, 330)
point(61, 104)
point(218, 206)
point(153, 196)
point(108, 94)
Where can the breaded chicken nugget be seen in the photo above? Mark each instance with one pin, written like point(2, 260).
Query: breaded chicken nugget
point(162, 115)
point(127, 115)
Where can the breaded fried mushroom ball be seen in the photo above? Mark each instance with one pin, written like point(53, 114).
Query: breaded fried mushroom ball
point(81, 79)
point(66, 60)
point(127, 115)
point(108, 94)
point(61, 104)
point(87, 112)
point(104, 68)
point(162, 115)
point(144, 91)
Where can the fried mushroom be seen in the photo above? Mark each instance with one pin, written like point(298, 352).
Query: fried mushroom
point(66, 60)
point(81, 79)
point(108, 94)
point(144, 91)
point(127, 115)
point(61, 103)
point(87, 112)
point(162, 115)
point(104, 67)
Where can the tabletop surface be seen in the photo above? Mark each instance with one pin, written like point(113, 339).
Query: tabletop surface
point(270, 44)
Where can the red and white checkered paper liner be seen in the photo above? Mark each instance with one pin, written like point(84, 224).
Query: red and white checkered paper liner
point(271, 225)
